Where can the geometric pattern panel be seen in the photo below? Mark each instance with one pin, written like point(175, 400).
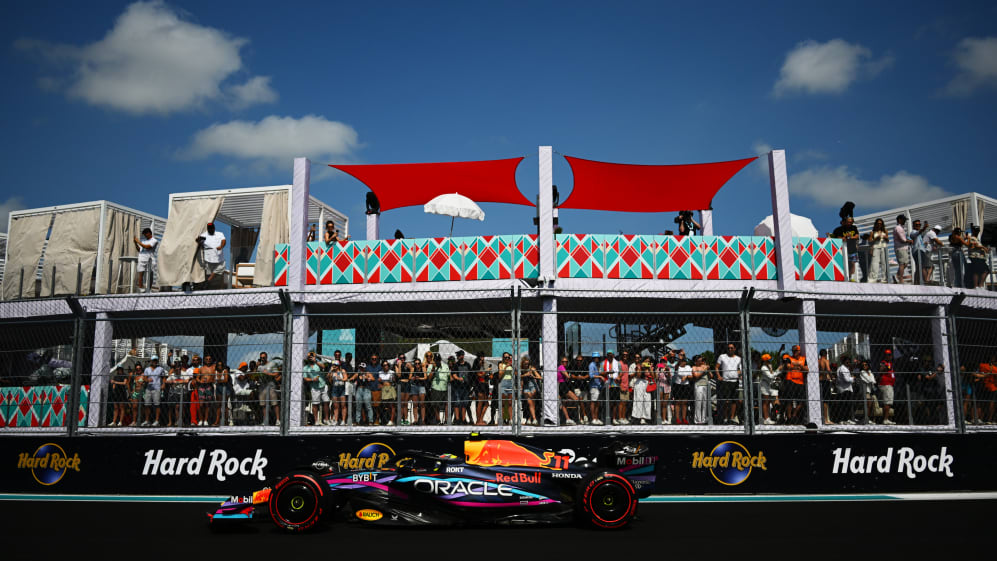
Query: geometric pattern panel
point(527, 257)
point(727, 258)
point(629, 257)
point(489, 258)
point(348, 262)
point(313, 254)
point(678, 257)
point(819, 259)
point(390, 261)
point(39, 406)
point(580, 255)
point(280, 252)
point(436, 259)
point(762, 250)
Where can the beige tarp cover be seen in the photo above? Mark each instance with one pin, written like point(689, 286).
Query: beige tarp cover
point(178, 252)
point(120, 230)
point(25, 242)
point(960, 210)
point(72, 243)
point(274, 229)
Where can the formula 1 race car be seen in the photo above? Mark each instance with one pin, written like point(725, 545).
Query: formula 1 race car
point(497, 482)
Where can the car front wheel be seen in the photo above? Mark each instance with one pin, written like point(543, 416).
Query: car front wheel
point(297, 502)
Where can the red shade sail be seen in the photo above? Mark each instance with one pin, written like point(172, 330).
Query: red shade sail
point(634, 188)
point(401, 185)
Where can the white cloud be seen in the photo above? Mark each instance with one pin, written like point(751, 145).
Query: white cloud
point(8, 206)
point(832, 186)
point(977, 62)
point(256, 90)
point(826, 68)
point(152, 61)
point(275, 141)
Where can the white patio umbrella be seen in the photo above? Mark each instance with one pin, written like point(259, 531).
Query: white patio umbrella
point(802, 227)
point(454, 205)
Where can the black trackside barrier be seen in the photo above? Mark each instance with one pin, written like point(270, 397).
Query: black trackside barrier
point(877, 464)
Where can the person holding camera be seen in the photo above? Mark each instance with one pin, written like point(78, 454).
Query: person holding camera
point(687, 224)
point(211, 243)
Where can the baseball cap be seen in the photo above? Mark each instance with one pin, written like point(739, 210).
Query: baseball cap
point(766, 357)
point(936, 228)
point(154, 357)
point(595, 354)
point(243, 365)
point(888, 351)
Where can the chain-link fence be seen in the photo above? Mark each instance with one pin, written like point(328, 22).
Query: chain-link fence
point(37, 360)
point(520, 361)
point(186, 372)
point(977, 355)
point(851, 369)
point(385, 368)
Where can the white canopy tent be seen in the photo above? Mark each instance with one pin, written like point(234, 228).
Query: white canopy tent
point(90, 237)
point(258, 216)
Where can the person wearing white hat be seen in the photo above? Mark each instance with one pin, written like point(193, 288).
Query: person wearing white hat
point(154, 379)
point(931, 243)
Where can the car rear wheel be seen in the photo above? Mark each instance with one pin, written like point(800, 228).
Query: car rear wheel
point(297, 502)
point(607, 500)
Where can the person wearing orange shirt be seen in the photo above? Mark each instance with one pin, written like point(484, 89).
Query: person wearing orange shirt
point(794, 390)
point(988, 391)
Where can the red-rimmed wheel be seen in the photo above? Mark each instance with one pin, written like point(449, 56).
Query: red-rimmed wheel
point(607, 500)
point(297, 502)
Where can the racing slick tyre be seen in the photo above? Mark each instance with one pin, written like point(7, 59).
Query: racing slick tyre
point(607, 500)
point(297, 502)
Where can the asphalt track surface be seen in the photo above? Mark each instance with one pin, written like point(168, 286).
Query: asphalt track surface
point(33, 530)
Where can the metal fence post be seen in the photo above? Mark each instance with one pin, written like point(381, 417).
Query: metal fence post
point(747, 370)
point(285, 394)
point(954, 373)
point(73, 405)
point(517, 395)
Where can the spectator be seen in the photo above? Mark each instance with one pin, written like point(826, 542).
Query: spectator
point(848, 232)
point(146, 246)
point(119, 396)
point(389, 395)
point(367, 382)
point(867, 384)
point(403, 373)
point(565, 392)
point(846, 405)
point(212, 242)
point(312, 233)
point(154, 375)
point(206, 390)
point(611, 371)
point(137, 383)
point(627, 365)
point(768, 388)
point(311, 375)
point(794, 389)
point(887, 379)
point(337, 394)
point(461, 380)
point(901, 248)
point(692, 383)
point(223, 395)
point(242, 391)
point(579, 376)
point(331, 235)
point(728, 373)
point(918, 251)
point(932, 387)
point(530, 380)
point(957, 258)
point(481, 375)
point(986, 391)
point(596, 382)
point(826, 379)
point(175, 384)
point(687, 224)
point(663, 372)
point(978, 267)
point(639, 381)
point(417, 387)
point(878, 238)
point(506, 372)
point(438, 385)
point(268, 395)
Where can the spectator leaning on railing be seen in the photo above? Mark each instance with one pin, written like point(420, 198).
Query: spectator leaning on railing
point(957, 257)
point(978, 267)
point(901, 248)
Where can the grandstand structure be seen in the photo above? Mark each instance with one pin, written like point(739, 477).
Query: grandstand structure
point(537, 295)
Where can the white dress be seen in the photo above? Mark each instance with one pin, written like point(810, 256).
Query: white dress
point(642, 399)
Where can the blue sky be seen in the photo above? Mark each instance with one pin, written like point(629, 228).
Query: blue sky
point(875, 102)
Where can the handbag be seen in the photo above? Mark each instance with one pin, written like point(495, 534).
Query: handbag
point(652, 387)
point(388, 393)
